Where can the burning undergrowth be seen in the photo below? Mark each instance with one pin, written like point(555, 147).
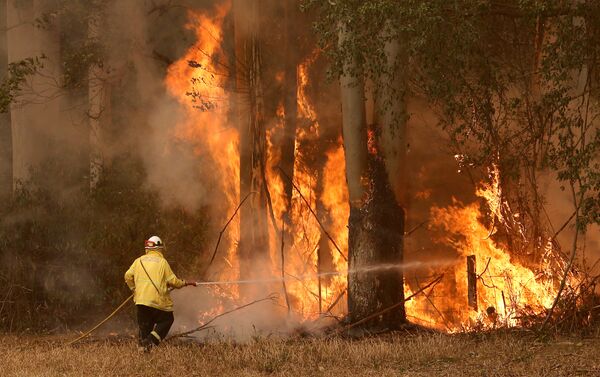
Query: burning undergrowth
point(484, 284)
point(489, 286)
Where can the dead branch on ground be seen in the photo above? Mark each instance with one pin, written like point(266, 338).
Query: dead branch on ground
point(431, 284)
point(205, 326)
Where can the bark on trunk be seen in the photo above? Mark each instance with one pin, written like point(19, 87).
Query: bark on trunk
point(253, 246)
point(374, 245)
point(376, 222)
point(5, 126)
point(99, 108)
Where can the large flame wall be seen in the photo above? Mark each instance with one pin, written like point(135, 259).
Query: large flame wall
point(199, 81)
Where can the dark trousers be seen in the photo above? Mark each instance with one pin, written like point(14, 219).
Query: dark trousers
point(153, 320)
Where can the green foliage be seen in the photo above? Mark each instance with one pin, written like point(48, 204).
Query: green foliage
point(16, 76)
point(63, 252)
point(515, 83)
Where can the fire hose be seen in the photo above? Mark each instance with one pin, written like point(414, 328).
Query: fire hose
point(197, 284)
point(256, 281)
point(114, 312)
point(101, 322)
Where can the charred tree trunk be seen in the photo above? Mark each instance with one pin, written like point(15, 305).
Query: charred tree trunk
point(375, 240)
point(389, 168)
point(376, 220)
point(253, 246)
point(5, 126)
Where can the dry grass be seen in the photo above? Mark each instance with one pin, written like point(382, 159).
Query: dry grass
point(499, 354)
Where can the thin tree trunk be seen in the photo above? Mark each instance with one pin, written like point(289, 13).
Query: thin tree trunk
point(5, 126)
point(290, 89)
point(99, 107)
point(36, 116)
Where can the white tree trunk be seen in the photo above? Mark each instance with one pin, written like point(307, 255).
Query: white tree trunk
point(36, 113)
point(391, 115)
point(354, 126)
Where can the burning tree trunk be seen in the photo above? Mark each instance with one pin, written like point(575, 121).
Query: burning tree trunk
point(253, 246)
point(375, 244)
point(5, 130)
point(290, 88)
point(376, 222)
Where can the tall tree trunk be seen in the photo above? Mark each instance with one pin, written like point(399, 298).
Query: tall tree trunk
point(5, 126)
point(290, 92)
point(253, 246)
point(354, 130)
point(35, 117)
point(376, 221)
point(390, 194)
point(99, 107)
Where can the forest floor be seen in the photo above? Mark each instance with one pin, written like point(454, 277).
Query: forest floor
point(506, 353)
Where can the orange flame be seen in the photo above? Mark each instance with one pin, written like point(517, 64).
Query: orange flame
point(198, 81)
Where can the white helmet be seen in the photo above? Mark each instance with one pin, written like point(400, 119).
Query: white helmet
point(154, 242)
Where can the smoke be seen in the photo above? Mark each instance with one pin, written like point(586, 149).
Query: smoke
point(559, 207)
point(196, 306)
point(433, 179)
point(143, 37)
point(141, 40)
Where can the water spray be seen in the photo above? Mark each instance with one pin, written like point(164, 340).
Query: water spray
point(367, 269)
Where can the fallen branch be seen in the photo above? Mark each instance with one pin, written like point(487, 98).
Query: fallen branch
point(390, 308)
point(334, 303)
point(571, 259)
point(485, 269)
point(271, 297)
point(225, 228)
point(274, 222)
point(406, 234)
point(435, 307)
point(313, 213)
point(287, 299)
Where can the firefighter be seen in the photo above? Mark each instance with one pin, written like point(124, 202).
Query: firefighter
point(150, 278)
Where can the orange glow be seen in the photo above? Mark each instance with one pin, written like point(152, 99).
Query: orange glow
point(506, 289)
point(198, 82)
point(302, 251)
point(206, 122)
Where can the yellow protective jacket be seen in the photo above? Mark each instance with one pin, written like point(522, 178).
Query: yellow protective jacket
point(161, 274)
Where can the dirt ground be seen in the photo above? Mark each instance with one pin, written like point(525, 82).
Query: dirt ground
point(497, 354)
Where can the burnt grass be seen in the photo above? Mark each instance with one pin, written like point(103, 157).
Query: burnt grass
point(499, 353)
